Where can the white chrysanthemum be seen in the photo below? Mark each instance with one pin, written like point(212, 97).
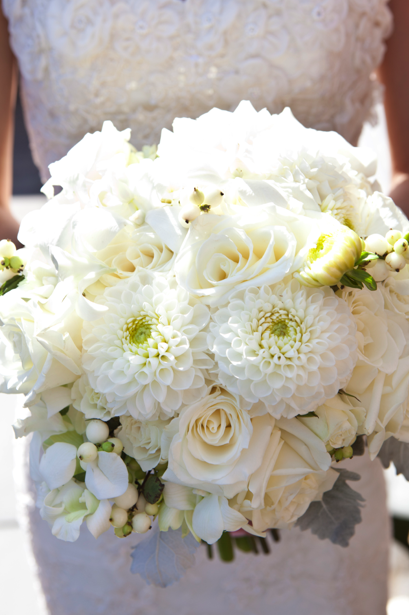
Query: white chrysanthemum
point(290, 347)
point(142, 440)
point(146, 353)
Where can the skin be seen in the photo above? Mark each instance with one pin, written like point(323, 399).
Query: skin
point(393, 73)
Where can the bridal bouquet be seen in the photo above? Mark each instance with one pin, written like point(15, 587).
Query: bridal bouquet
point(203, 330)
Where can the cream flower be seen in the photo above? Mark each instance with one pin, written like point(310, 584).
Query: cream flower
point(395, 291)
point(329, 256)
point(147, 352)
point(288, 346)
point(142, 440)
point(337, 422)
point(94, 405)
point(217, 446)
point(221, 254)
point(294, 472)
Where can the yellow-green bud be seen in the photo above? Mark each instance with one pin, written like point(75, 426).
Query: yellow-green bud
point(151, 509)
point(393, 236)
point(107, 447)
point(118, 446)
point(401, 247)
point(127, 529)
point(339, 455)
point(348, 452)
point(332, 256)
point(16, 263)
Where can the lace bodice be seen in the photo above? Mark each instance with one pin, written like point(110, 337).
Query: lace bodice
point(143, 62)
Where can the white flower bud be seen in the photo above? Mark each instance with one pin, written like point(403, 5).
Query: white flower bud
point(119, 516)
point(141, 523)
point(151, 509)
point(401, 247)
point(197, 197)
point(214, 198)
point(97, 431)
point(188, 214)
point(127, 499)
point(395, 261)
point(380, 271)
point(377, 244)
point(7, 248)
point(393, 236)
point(118, 446)
point(87, 452)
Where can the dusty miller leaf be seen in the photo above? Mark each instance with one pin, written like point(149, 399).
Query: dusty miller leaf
point(337, 514)
point(396, 452)
point(162, 558)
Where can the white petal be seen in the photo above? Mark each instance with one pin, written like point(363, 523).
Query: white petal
point(98, 523)
point(107, 477)
point(179, 496)
point(58, 464)
point(232, 519)
point(208, 520)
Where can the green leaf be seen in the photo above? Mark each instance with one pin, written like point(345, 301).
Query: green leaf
point(70, 437)
point(366, 257)
point(347, 280)
point(225, 547)
point(10, 284)
point(363, 276)
point(244, 543)
point(64, 411)
point(80, 476)
point(152, 489)
point(309, 415)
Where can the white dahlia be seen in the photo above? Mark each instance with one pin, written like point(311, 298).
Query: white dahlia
point(288, 346)
point(146, 353)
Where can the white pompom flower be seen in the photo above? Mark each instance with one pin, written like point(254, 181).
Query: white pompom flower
point(146, 354)
point(288, 346)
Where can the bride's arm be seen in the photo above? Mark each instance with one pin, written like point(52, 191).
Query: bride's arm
point(394, 73)
point(8, 82)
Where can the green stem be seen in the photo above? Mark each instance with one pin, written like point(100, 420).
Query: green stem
point(225, 546)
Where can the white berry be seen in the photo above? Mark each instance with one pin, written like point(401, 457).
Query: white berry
point(87, 452)
point(393, 236)
point(127, 499)
point(97, 431)
point(141, 503)
point(151, 509)
point(119, 516)
point(7, 248)
point(189, 213)
point(197, 197)
point(395, 261)
point(401, 247)
point(118, 446)
point(377, 244)
point(214, 198)
point(380, 271)
point(141, 523)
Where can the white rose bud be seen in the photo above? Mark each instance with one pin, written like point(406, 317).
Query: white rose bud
point(393, 236)
point(141, 523)
point(87, 452)
point(377, 244)
point(127, 499)
point(401, 247)
point(118, 446)
point(395, 261)
point(119, 516)
point(97, 431)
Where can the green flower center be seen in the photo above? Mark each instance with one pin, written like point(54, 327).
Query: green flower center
point(280, 328)
point(137, 331)
point(323, 246)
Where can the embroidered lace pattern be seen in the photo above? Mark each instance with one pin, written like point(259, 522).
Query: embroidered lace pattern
point(143, 62)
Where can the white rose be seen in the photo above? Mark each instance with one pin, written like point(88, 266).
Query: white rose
point(142, 440)
point(380, 335)
point(221, 254)
point(337, 422)
point(294, 472)
point(217, 446)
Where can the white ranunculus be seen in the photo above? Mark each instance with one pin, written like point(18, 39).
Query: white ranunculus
point(338, 421)
point(66, 508)
point(217, 446)
point(288, 479)
point(289, 346)
point(222, 254)
point(148, 351)
point(380, 335)
point(142, 440)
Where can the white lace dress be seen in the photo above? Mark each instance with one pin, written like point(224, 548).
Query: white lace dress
point(141, 63)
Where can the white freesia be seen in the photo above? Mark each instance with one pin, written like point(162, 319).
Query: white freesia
point(288, 346)
point(221, 254)
point(217, 446)
point(148, 354)
point(142, 440)
point(337, 422)
point(66, 508)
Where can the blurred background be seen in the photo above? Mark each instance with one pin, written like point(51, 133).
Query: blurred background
point(19, 594)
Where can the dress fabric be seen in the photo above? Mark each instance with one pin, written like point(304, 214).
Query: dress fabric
point(141, 63)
